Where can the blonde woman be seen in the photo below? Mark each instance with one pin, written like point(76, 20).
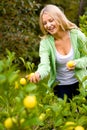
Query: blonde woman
point(62, 42)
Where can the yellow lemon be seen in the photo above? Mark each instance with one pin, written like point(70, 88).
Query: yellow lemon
point(79, 128)
point(42, 116)
point(70, 125)
point(23, 81)
point(29, 76)
point(30, 101)
point(70, 63)
point(8, 123)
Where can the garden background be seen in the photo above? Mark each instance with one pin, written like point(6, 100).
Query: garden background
point(19, 44)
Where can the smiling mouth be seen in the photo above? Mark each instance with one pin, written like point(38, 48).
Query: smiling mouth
point(51, 30)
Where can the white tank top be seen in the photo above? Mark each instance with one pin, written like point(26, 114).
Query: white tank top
point(63, 75)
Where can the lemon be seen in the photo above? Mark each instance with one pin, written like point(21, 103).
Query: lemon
point(79, 128)
point(70, 63)
point(42, 116)
point(30, 101)
point(8, 123)
point(29, 76)
point(70, 125)
point(23, 81)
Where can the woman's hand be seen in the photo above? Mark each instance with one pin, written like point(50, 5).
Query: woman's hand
point(71, 65)
point(33, 77)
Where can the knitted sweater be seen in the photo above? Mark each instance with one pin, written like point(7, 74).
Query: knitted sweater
point(47, 53)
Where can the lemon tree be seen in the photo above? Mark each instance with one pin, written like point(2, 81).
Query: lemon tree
point(35, 106)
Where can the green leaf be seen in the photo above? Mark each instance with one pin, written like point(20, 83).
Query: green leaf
point(12, 77)
point(58, 122)
point(30, 87)
point(84, 84)
point(2, 78)
point(81, 75)
point(1, 127)
point(82, 120)
point(1, 66)
point(33, 121)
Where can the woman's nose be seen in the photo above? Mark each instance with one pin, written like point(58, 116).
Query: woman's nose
point(48, 24)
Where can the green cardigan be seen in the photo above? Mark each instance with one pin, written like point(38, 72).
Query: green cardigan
point(47, 53)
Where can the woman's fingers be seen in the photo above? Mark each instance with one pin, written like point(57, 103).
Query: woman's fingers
point(71, 65)
point(35, 78)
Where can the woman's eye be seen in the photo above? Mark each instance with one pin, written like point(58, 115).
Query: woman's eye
point(51, 20)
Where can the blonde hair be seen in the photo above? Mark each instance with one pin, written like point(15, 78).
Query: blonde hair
point(58, 16)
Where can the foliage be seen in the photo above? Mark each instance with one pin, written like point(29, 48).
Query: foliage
point(27, 65)
point(19, 28)
point(20, 34)
point(50, 112)
point(83, 23)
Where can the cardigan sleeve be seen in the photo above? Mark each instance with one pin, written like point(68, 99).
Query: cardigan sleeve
point(82, 47)
point(44, 65)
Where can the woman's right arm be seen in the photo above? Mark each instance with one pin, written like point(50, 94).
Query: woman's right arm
point(44, 65)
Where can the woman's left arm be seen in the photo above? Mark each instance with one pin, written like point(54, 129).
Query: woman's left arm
point(82, 47)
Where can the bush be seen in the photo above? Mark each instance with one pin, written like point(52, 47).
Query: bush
point(45, 111)
point(83, 23)
point(19, 29)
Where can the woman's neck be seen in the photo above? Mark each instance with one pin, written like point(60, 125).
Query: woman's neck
point(61, 35)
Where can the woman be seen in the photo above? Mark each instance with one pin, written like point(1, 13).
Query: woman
point(62, 42)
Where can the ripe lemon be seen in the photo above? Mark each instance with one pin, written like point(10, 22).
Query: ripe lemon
point(70, 63)
point(23, 81)
point(8, 123)
point(29, 76)
point(30, 101)
point(79, 128)
point(70, 125)
point(42, 116)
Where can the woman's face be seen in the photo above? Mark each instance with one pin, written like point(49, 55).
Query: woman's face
point(50, 24)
